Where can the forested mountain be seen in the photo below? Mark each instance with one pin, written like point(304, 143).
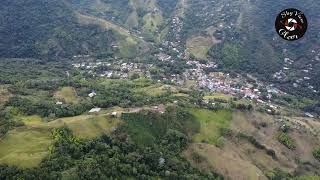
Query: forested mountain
point(250, 43)
point(52, 29)
point(239, 35)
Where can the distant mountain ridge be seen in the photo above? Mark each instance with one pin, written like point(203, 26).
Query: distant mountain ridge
point(238, 35)
point(53, 29)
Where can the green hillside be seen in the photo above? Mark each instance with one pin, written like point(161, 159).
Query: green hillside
point(245, 40)
point(51, 29)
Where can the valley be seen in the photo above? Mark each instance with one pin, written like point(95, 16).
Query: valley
point(242, 126)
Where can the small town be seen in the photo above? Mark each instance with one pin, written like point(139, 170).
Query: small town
point(194, 77)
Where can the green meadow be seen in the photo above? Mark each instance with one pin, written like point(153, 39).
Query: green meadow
point(87, 126)
point(26, 146)
point(210, 124)
point(224, 97)
point(68, 94)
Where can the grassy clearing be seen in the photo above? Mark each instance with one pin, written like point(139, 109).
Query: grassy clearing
point(87, 126)
point(67, 94)
point(182, 8)
point(100, 7)
point(141, 128)
point(132, 20)
point(27, 146)
point(153, 90)
point(227, 162)
point(286, 140)
point(128, 47)
point(146, 127)
point(181, 95)
point(140, 133)
point(32, 120)
point(24, 147)
point(221, 96)
point(90, 20)
point(307, 178)
point(4, 93)
point(152, 21)
point(210, 124)
point(163, 34)
point(199, 46)
point(190, 83)
point(316, 153)
point(128, 44)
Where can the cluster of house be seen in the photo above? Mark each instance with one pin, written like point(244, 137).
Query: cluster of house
point(90, 65)
point(176, 27)
point(117, 69)
point(218, 81)
point(175, 32)
point(213, 81)
point(163, 57)
point(282, 75)
point(300, 124)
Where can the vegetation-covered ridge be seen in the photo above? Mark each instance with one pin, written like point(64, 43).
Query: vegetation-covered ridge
point(52, 29)
point(208, 128)
point(118, 155)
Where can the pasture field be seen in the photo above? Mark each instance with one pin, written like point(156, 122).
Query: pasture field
point(128, 44)
point(199, 46)
point(227, 162)
point(141, 128)
point(25, 147)
point(92, 20)
point(128, 47)
point(221, 96)
point(210, 124)
point(68, 94)
point(133, 20)
point(32, 120)
point(87, 126)
point(152, 21)
point(155, 90)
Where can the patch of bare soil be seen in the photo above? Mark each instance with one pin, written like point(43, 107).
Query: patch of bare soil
point(227, 162)
point(305, 124)
point(4, 94)
point(264, 128)
point(88, 20)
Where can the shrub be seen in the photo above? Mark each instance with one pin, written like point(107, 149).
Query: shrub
point(316, 153)
point(271, 153)
point(220, 142)
point(197, 157)
point(286, 140)
point(256, 143)
point(251, 139)
point(278, 174)
point(226, 132)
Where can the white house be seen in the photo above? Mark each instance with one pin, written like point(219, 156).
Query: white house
point(95, 110)
point(92, 94)
point(59, 103)
point(114, 114)
point(309, 115)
